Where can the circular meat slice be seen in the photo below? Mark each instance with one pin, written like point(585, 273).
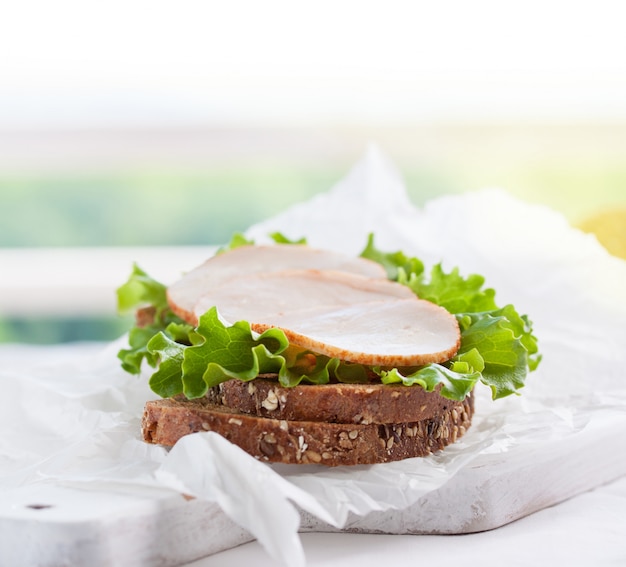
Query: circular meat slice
point(351, 317)
point(247, 260)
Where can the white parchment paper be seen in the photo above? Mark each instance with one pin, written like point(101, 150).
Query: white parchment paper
point(77, 420)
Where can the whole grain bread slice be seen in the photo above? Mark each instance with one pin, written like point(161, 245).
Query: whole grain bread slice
point(165, 421)
point(334, 403)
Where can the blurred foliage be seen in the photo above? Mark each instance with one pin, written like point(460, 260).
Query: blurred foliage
point(53, 330)
point(6, 333)
point(182, 209)
point(146, 209)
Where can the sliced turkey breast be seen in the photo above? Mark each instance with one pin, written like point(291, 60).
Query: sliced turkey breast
point(256, 296)
point(246, 260)
point(348, 316)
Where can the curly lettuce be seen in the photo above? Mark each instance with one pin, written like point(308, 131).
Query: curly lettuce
point(497, 344)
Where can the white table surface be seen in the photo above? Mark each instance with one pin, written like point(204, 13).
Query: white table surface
point(587, 530)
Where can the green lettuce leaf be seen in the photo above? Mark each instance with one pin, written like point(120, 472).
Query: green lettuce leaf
point(451, 291)
point(167, 381)
point(140, 289)
point(280, 238)
point(394, 263)
point(236, 241)
point(455, 385)
point(225, 352)
point(497, 345)
point(216, 352)
point(239, 239)
point(143, 291)
point(506, 344)
point(138, 338)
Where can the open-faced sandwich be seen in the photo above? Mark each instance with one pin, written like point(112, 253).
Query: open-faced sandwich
point(300, 355)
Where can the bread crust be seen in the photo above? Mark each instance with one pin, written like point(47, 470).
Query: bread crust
point(165, 421)
point(333, 403)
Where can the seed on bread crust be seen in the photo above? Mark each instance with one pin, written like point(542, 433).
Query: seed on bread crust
point(270, 403)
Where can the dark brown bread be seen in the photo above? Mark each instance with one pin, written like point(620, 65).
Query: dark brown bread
point(298, 442)
point(334, 403)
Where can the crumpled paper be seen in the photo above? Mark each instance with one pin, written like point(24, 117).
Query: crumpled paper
point(78, 420)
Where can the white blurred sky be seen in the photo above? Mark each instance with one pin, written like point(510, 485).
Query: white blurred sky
point(139, 62)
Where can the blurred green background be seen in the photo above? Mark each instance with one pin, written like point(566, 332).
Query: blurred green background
point(162, 197)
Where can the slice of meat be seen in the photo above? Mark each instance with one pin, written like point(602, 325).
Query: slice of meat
point(294, 292)
point(247, 260)
point(342, 315)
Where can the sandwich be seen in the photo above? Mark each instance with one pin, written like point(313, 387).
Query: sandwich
point(307, 356)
